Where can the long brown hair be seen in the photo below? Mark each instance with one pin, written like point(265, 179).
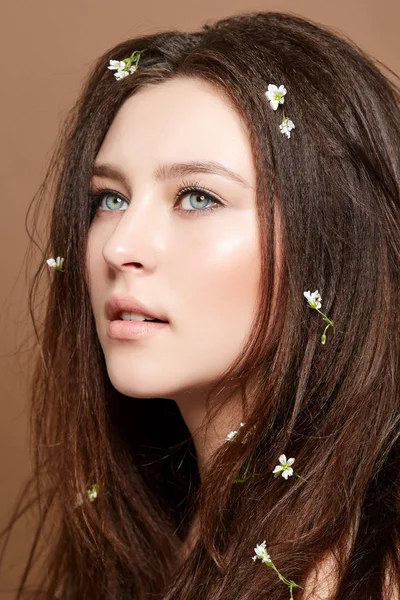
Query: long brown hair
point(335, 407)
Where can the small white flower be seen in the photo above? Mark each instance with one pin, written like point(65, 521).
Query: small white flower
point(262, 554)
point(120, 75)
point(233, 434)
point(93, 492)
point(314, 299)
point(286, 126)
point(127, 66)
point(117, 65)
point(285, 468)
point(56, 264)
point(276, 95)
point(121, 68)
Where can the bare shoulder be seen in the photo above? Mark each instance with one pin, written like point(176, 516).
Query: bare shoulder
point(322, 583)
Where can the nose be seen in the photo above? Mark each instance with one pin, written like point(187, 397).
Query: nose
point(137, 239)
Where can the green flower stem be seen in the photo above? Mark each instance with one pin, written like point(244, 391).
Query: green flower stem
point(291, 584)
point(327, 320)
point(134, 57)
point(325, 317)
point(243, 478)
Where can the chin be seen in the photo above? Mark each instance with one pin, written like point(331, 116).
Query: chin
point(153, 384)
point(137, 389)
point(141, 385)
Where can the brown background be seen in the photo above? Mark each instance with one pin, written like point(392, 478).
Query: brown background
point(47, 49)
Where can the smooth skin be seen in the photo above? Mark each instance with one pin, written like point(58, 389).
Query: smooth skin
point(201, 270)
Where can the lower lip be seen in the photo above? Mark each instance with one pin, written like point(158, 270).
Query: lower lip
point(133, 330)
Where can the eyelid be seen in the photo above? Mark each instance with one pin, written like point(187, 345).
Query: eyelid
point(184, 188)
point(96, 194)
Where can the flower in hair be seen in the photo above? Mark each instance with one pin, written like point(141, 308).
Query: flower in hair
point(284, 468)
point(315, 301)
point(275, 95)
point(262, 555)
point(120, 67)
point(286, 126)
point(93, 492)
point(125, 67)
point(232, 434)
point(56, 264)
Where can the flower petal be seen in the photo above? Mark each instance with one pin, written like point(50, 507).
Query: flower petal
point(121, 74)
point(114, 64)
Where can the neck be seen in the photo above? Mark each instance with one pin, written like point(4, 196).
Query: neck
point(209, 436)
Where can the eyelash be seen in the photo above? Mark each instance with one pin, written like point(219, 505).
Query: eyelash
point(186, 187)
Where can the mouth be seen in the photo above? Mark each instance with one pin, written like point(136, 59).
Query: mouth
point(126, 316)
point(134, 329)
point(128, 308)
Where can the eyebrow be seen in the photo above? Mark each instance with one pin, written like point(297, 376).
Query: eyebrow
point(172, 170)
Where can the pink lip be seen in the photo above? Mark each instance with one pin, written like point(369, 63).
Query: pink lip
point(118, 304)
point(133, 330)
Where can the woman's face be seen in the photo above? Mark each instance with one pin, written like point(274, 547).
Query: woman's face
point(198, 270)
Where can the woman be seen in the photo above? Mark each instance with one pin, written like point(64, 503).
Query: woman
point(165, 452)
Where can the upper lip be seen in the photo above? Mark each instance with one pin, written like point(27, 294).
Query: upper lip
point(119, 304)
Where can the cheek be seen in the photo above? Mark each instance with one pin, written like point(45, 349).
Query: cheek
point(221, 283)
point(230, 275)
point(217, 311)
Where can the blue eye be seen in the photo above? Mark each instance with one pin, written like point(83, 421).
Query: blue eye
point(109, 201)
point(201, 201)
point(197, 197)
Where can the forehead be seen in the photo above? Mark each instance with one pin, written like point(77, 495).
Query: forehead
point(182, 119)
